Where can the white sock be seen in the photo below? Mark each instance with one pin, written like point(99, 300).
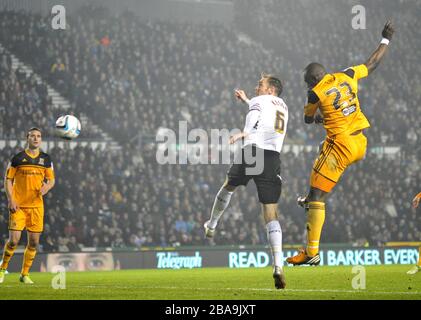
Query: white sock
point(221, 202)
point(274, 233)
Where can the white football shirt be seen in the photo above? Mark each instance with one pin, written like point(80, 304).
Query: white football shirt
point(266, 122)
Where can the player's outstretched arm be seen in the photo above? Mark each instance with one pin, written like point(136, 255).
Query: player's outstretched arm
point(242, 96)
point(377, 56)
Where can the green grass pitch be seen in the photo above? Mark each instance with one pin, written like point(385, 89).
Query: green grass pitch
point(382, 282)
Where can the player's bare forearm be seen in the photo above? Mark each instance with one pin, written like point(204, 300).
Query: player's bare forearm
point(237, 137)
point(376, 57)
point(8, 187)
point(5, 186)
point(47, 186)
point(242, 96)
point(378, 54)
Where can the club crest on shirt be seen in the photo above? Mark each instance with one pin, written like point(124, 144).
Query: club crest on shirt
point(41, 161)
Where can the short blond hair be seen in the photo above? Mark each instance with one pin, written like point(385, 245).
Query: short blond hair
point(273, 81)
point(33, 129)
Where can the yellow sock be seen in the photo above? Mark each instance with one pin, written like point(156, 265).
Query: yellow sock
point(419, 257)
point(315, 221)
point(28, 258)
point(7, 255)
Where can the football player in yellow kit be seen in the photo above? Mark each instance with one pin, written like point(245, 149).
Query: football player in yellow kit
point(335, 96)
point(28, 178)
point(417, 268)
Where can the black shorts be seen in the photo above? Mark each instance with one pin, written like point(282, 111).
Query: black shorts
point(268, 182)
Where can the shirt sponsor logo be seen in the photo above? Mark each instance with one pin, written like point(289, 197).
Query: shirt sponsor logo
point(31, 173)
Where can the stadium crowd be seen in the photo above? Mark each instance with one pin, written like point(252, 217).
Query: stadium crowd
point(133, 77)
point(25, 102)
point(333, 38)
point(125, 73)
point(129, 82)
point(22, 100)
point(98, 201)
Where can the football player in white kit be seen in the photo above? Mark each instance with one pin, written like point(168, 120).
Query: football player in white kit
point(263, 134)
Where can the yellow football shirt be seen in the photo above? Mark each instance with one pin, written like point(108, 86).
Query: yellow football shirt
point(336, 97)
point(28, 173)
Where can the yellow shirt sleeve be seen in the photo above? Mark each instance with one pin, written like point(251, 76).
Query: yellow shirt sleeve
point(11, 171)
point(361, 71)
point(49, 173)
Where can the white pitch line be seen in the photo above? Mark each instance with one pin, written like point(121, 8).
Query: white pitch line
point(232, 289)
point(257, 289)
point(294, 290)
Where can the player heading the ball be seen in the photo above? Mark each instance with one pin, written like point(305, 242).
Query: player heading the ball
point(335, 96)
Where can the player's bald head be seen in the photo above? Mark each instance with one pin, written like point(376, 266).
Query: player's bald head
point(313, 73)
